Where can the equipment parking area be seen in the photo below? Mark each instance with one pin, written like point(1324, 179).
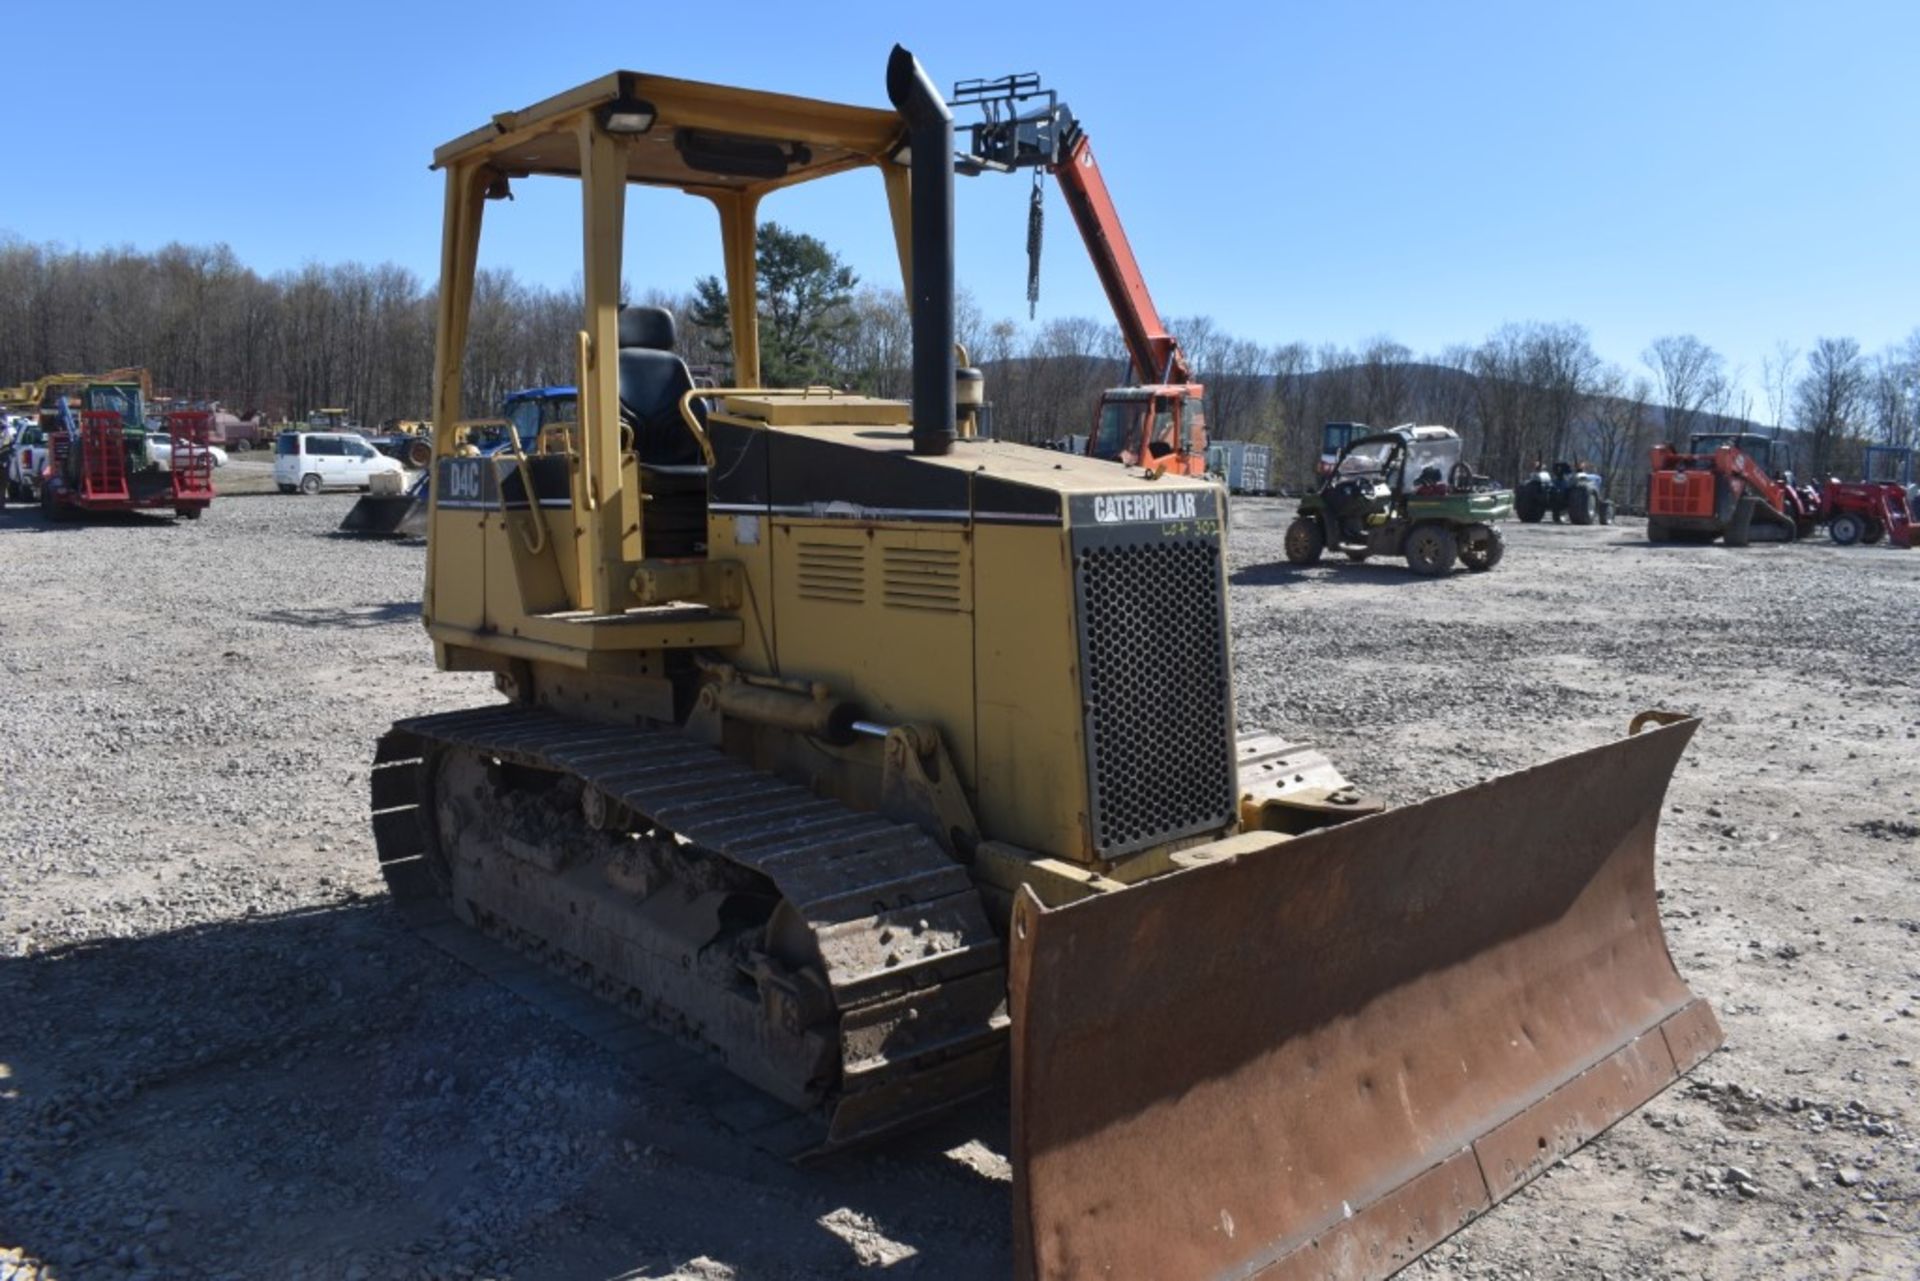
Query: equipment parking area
point(223, 1053)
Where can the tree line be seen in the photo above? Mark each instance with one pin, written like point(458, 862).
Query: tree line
point(209, 327)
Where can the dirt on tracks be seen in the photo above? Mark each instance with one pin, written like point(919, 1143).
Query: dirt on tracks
point(223, 1054)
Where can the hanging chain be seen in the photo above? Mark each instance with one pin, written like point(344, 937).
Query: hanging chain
point(1036, 223)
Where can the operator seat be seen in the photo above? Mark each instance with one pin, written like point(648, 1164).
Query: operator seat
point(673, 472)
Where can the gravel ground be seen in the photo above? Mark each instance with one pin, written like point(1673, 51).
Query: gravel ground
point(248, 473)
point(222, 1054)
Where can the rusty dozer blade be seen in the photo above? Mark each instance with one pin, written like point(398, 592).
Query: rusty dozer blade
point(1321, 1059)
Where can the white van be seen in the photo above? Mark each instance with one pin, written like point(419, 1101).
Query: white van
point(311, 461)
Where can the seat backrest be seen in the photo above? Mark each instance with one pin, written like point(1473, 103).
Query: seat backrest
point(652, 381)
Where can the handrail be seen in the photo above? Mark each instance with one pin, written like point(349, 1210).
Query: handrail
point(564, 430)
point(539, 515)
point(693, 423)
point(589, 448)
point(458, 432)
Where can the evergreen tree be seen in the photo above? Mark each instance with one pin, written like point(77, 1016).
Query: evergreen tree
point(806, 296)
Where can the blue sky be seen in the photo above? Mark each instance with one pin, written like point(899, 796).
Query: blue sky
point(1743, 171)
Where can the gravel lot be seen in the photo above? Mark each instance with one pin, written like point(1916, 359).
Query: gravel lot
point(222, 1053)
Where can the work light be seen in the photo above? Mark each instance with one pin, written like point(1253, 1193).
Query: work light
point(627, 115)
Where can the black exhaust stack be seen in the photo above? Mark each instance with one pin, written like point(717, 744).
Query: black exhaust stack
point(930, 136)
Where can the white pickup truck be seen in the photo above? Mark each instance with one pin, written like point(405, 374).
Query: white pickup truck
point(28, 461)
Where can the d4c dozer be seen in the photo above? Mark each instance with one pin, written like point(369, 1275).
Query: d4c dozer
point(881, 761)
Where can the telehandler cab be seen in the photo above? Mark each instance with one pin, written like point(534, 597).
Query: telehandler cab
point(881, 762)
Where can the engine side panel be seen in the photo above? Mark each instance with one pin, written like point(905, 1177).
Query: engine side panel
point(883, 613)
point(1032, 775)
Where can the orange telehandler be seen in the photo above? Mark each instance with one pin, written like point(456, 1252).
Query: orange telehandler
point(1160, 421)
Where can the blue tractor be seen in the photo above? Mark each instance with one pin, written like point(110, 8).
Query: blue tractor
point(523, 416)
point(1577, 493)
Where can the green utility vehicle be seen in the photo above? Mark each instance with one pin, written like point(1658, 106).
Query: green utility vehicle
point(1403, 492)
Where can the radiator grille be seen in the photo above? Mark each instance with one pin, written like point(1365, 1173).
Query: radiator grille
point(1158, 693)
point(832, 571)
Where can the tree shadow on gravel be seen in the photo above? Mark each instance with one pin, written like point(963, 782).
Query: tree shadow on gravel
point(1365, 573)
point(25, 518)
point(325, 1091)
point(348, 616)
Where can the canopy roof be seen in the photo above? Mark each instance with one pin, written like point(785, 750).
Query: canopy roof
point(815, 138)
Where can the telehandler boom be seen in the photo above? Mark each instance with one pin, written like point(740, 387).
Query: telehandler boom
point(1159, 420)
point(876, 760)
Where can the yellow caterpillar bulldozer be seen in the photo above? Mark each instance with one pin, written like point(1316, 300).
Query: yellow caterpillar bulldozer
point(884, 763)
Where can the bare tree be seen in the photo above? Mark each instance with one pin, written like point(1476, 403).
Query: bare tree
point(362, 336)
point(878, 355)
point(1064, 367)
point(1203, 341)
point(1559, 366)
point(1776, 379)
point(1290, 366)
point(1238, 391)
point(1504, 401)
point(1828, 399)
point(1736, 398)
point(1622, 427)
point(1894, 394)
point(1448, 395)
point(1386, 391)
point(1690, 378)
point(969, 322)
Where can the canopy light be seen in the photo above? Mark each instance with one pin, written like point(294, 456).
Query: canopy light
point(627, 115)
point(737, 156)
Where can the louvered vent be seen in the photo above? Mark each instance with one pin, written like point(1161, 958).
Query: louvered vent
point(922, 578)
point(833, 571)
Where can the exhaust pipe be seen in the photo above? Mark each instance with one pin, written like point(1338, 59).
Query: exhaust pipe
point(930, 136)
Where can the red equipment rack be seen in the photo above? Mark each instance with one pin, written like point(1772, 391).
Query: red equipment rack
point(191, 430)
point(103, 457)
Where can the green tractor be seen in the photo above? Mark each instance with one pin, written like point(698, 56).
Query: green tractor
point(1403, 492)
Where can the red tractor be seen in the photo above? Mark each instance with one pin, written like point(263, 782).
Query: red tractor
point(1725, 486)
point(1866, 511)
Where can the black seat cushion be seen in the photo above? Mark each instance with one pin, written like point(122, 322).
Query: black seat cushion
point(652, 381)
point(650, 327)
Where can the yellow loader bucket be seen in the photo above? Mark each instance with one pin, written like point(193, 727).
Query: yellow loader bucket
point(1322, 1059)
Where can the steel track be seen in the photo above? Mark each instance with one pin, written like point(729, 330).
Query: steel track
point(916, 973)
